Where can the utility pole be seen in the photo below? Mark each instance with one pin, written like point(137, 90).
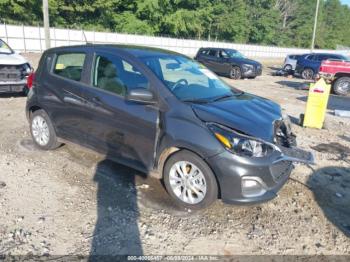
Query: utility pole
point(315, 26)
point(46, 23)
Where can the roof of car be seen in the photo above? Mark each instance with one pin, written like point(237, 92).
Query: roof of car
point(322, 54)
point(138, 51)
point(217, 48)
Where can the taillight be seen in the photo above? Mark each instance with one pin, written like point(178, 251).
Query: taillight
point(30, 80)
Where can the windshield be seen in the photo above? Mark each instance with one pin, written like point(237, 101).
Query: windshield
point(188, 80)
point(234, 53)
point(346, 58)
point(4, 48)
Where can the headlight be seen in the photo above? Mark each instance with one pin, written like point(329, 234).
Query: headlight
point(240, 144)
point(247, 67)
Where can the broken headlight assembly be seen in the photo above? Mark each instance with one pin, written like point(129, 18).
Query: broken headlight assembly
point(240, 144)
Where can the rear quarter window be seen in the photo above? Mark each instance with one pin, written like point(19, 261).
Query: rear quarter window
point(203, 52)
point(69, 65)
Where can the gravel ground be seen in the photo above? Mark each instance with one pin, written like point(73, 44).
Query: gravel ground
point(72, 201)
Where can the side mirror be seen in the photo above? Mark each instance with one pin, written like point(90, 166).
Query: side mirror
point(140, 95)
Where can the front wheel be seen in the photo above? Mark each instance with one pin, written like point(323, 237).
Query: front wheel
point(235, 73)
point(190, 181)
point(342, 86)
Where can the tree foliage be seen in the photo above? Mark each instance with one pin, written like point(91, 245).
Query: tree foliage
point(270, 22)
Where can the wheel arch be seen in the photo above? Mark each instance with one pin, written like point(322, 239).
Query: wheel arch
point(341, 74)
point(170, 151)
point(32, 109)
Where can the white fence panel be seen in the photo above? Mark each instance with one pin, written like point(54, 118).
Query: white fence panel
point(31, 39)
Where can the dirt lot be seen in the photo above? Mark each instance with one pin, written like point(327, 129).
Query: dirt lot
point(72, 201)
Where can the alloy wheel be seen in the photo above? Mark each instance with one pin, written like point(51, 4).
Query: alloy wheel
point(235, 73)
point(40, 130)
point(187, 182)
point(308, 74)
point(344, 87)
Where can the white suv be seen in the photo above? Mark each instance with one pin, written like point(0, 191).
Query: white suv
point(14, 70)
point(290, 62)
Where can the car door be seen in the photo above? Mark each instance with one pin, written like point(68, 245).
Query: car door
point(60, 92)
point(124, 130)
point(316, 62)
point(223, 63)
point(211, 60)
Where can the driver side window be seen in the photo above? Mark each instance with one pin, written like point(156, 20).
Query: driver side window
point(223, 54)
point(116, 75)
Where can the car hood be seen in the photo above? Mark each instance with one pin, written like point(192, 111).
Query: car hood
point(245, 113)
point(245, 61)
point(12, 59)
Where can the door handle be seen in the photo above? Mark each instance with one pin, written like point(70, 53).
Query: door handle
point(96, 100)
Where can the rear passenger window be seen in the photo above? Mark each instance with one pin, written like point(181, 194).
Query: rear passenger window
point(310, 57)
point(212, 53)
point(117, 76)
point(70, 65)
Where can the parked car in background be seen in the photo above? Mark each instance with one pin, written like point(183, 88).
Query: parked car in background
point(14, 70)
point(308, 65)
point(290, 62)
point(228, 62)
point(164, 114)
point(338, 74)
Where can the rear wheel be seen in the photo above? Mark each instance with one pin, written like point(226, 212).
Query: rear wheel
point(235, 73)
point(190, 181)
point(42, 131)
point(307, 74)
point(287, 68)
point(342, 86)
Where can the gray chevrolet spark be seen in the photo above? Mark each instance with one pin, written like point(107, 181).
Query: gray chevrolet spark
point(166, 115)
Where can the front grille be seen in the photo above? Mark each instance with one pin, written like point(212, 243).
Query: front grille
point(258, 70)
point(10, 73)
point(283, 135)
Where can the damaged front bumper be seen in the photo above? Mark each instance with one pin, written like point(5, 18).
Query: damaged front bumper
point(13, 86)
point(255, 180)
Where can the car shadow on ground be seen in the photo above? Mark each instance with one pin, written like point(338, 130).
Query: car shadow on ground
point(295, 85)
point(11, 95)
point(331, 189)
point(116, 231)
point(334, 103)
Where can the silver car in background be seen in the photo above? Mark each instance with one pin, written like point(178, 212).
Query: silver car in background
point(290, 62)
point(14, 70)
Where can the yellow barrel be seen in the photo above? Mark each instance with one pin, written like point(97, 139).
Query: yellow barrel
point(316, 105)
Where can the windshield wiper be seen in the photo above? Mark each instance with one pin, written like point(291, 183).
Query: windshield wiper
point(197, 101)
point(227, 96)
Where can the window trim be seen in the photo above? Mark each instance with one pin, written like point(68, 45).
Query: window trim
point(54, 61)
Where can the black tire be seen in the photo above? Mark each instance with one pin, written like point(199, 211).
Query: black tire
point(25, 91)
point(342, 86)
point(52, 142)
point(307, 74)
point(301, 119)
point(235, 72)
point(210, 180)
